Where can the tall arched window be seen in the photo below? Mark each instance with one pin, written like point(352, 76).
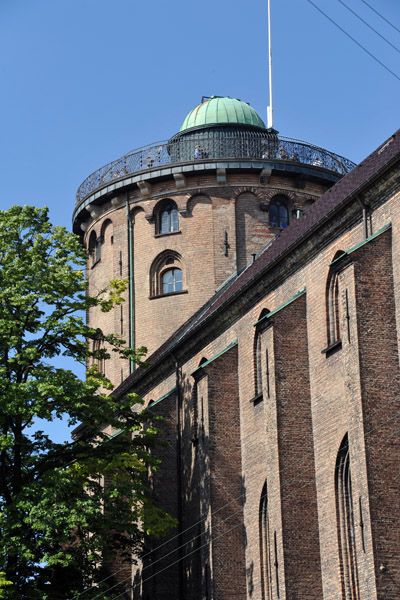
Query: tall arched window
point(98, 350)
point(333, 309)
point(345, 520)
point(94, 248)
point(257, 365)
point(265, 547)
point(278, 212)
point(332, 302)
point(257, 353)
point(167, 218)
point(197, 404)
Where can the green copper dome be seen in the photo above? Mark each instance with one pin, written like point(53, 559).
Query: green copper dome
point(219, 110)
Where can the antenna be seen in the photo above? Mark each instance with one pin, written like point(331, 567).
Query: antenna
point(269, 108)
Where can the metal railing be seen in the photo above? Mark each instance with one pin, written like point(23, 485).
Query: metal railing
point(214, 144)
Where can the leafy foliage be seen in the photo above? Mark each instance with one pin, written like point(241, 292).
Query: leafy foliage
point(65, 508)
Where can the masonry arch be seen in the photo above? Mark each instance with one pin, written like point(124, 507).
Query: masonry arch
point(346, 524)
point(166, 217)
point(332, 301)
point(107, 232)
point(257, 354)
point(265, 546)
point(167, 274)
point(196, 199)
point(251, 227)
point(94, 248)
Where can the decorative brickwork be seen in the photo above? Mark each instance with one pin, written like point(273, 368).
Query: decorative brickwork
point(279, 386)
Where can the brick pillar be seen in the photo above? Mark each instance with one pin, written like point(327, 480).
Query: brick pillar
point(162, 579)
point(379, 371)
point(300, 535)
point(228, 574)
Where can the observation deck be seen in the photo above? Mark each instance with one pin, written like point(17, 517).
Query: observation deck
point(218, 147)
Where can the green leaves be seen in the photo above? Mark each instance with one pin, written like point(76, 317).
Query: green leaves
point(65, 507)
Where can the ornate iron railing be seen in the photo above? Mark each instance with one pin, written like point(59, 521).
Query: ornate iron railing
point(214, 144)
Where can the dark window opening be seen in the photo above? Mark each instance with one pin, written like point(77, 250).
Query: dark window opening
point(168, 219)
point(278, 213)
point(98, 249)
point(172, 281)
point(346, 525)
point(258, 373)
point(265, 547)
point(332, 303)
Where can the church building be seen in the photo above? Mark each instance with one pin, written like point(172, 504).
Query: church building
point(264, 279)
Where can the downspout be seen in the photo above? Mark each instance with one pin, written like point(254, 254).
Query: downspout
point(364, 216)
point(179, 475)
point(132, 341)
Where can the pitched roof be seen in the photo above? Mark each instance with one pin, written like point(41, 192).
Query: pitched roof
point(343, 191)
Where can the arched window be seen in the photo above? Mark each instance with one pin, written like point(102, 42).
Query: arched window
point(167, 218)
point(332, 302)
point(333, 309)
point(166, 274)
point(257, 365)
point(345, 521)
point(98, 350)
point(278, 212)
point(197, 404)
point(92, 244)
point(172, 281)
point(107, 232)
point(265, 547)
point(257, 353)
point(94, 248)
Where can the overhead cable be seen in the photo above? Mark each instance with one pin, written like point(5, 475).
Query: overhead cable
point(370, 26)
point(381, 16)
point(192, 539)
point(354, 40)
point(213, 538)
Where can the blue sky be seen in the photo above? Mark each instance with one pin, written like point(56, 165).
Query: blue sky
point(85, 81)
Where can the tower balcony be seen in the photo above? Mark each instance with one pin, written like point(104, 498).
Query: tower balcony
point(199, 149)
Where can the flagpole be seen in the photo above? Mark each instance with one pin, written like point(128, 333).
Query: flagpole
point(269, 109)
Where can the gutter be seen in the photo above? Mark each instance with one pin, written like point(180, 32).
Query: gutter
point(132, 340)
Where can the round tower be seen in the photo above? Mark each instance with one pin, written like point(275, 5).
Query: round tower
point(178, 218)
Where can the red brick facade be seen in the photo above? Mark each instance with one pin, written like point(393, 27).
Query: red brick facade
point(281, 395)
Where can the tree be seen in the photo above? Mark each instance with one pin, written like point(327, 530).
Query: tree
point(59, 523)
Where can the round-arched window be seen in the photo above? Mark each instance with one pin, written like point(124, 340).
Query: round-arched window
point(167, 274)
point(168, 219)
point(278, 213)
point(172, 281)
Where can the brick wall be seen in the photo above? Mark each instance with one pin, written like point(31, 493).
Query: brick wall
point(227, 547)
point(380, 377)
point(161, 567)
point(312, 396)
point(219, 229)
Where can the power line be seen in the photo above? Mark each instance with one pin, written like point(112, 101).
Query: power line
point(379, 409)
point(168, 541)
point(370, 26)
point(212, 539)
point(381, 16)
point(354, 40)
point(192, 539)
